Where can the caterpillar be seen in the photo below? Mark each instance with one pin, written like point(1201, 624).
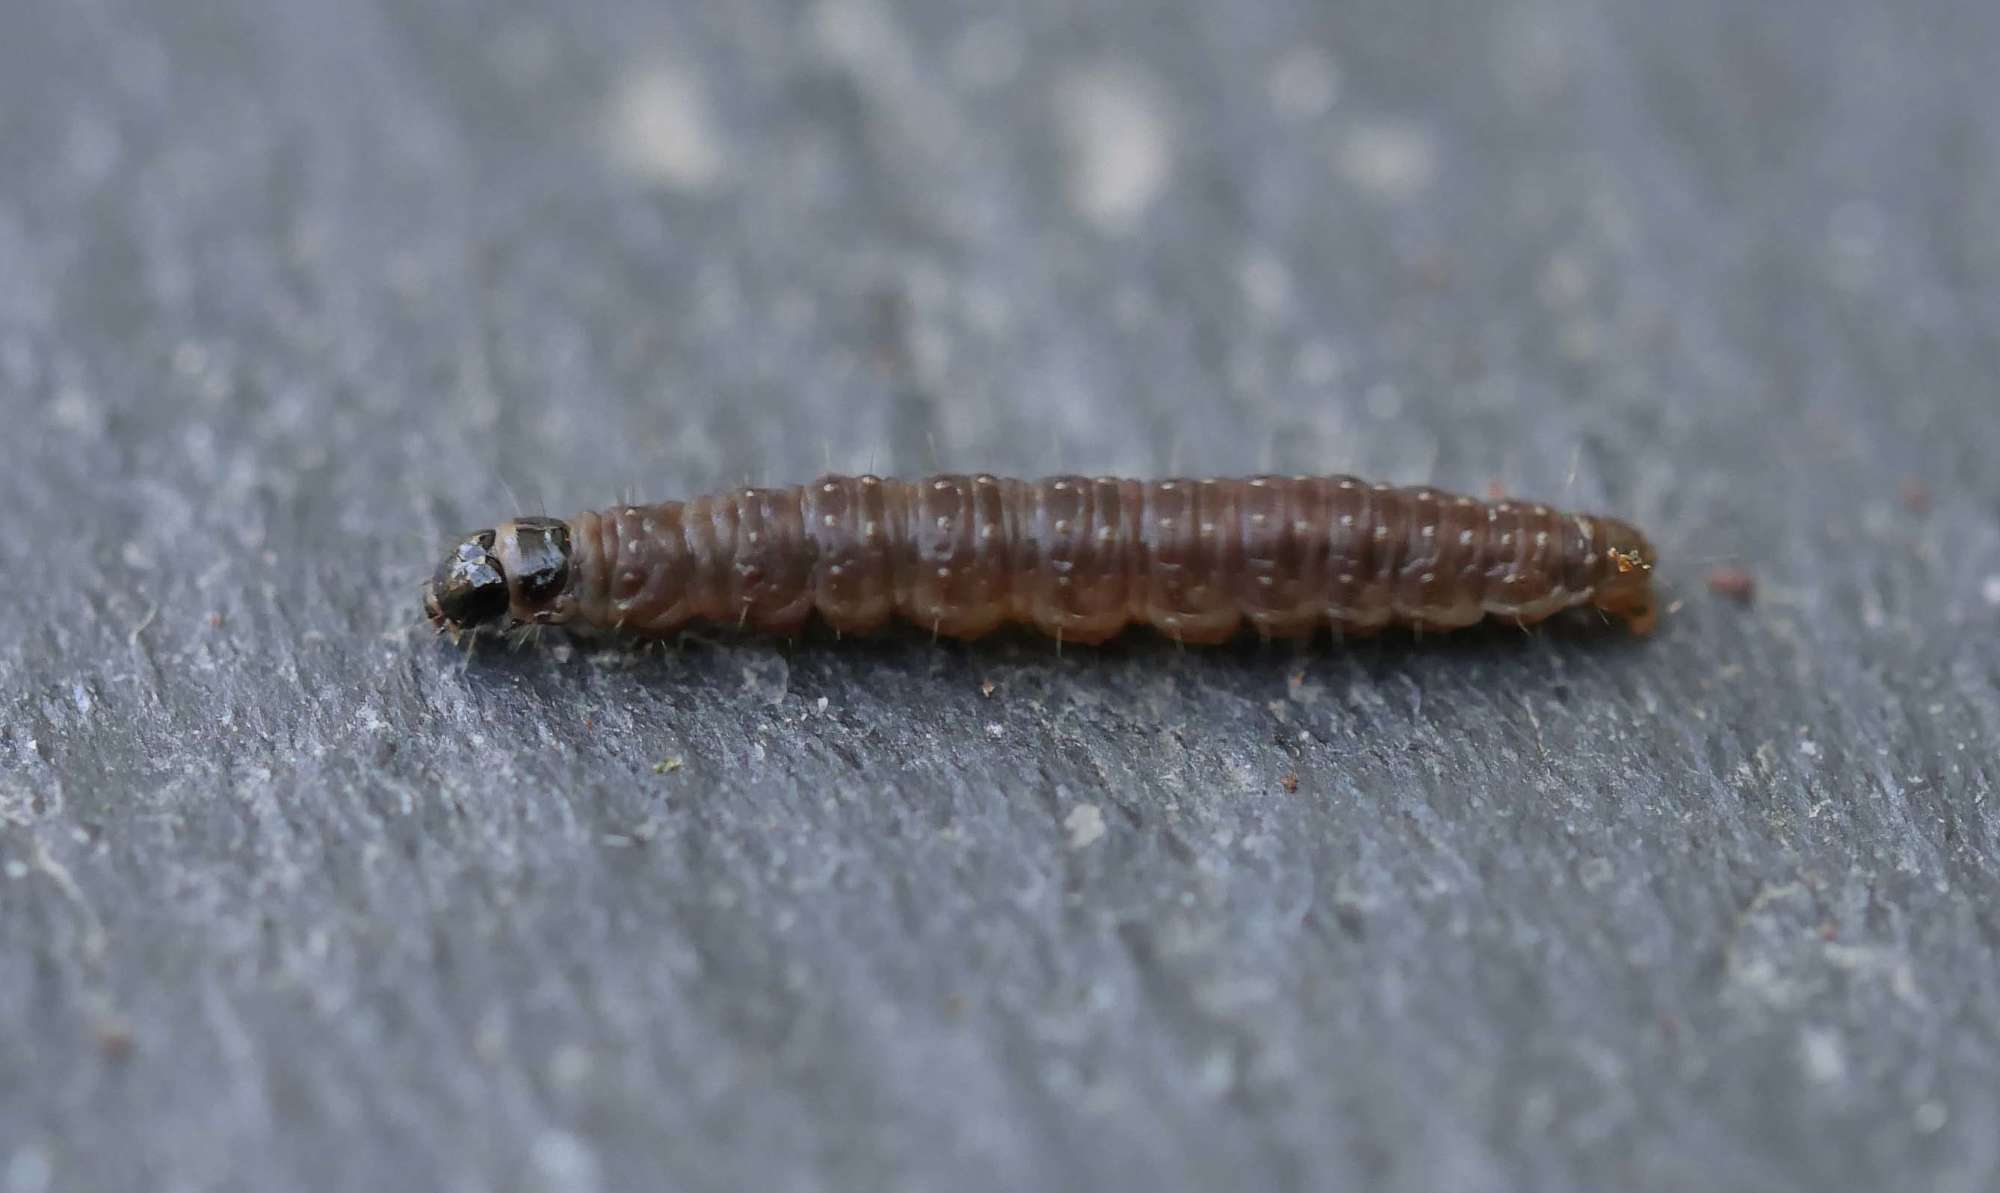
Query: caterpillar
point(1078, 558)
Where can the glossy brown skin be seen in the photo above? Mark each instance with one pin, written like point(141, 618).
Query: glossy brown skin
point(1082, 558)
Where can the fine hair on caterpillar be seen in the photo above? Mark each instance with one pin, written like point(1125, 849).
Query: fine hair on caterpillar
point(1078, 558)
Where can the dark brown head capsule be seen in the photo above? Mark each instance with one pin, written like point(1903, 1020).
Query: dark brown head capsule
point(518, 571)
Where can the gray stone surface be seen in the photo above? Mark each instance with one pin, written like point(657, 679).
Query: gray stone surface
point(296, 898)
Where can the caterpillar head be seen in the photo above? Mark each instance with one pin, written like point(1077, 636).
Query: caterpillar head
point(514, 573)
point(1625, 580)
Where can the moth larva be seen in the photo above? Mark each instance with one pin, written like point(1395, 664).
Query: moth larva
point(1078, 558)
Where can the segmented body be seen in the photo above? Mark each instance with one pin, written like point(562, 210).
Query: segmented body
point(1082, 558)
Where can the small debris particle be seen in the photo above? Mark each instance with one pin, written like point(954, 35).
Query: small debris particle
point(1085, 824)
point(1389, 159)
point(1288, 781)
point(995, 731)
point(114, 1041)
point(1738, 584)
point(1595, 873)
point(1915, 496)
point(1990, 591)
point(215, 620)
point(28, 1170)
point(1301, 690)
point(1824, 1059)
point(987, 687)
point(669, 764)
point(1931, 1118)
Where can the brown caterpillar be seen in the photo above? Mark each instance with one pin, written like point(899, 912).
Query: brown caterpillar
point(1078, 558)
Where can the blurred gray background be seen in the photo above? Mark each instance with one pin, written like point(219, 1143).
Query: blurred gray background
point(294, 897)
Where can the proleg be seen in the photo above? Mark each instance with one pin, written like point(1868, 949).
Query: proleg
point(1077, 558)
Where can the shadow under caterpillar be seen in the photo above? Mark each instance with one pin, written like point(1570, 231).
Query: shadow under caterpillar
point(1078, 558)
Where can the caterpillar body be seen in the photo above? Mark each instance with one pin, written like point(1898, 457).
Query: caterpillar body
point(1078, 558)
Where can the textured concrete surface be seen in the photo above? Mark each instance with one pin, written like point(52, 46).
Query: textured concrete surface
point(292, 897)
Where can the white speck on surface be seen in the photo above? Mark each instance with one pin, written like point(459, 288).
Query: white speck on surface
point(767, 677)
point(563, 1162)
point(1538, 1111)
point(75, 410)
point(1822, 1056)
point(1118, 141)
point(1809, 748)
point(29, 1170)
point(1304, 83)
point(1085, 824)
point(1564, 281)
point(1990, 591)
point(658, 126)
point(1267, 284)
point(570, 1066)
point(995, 731)
point(1931, 1117)
point(1388, 159)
